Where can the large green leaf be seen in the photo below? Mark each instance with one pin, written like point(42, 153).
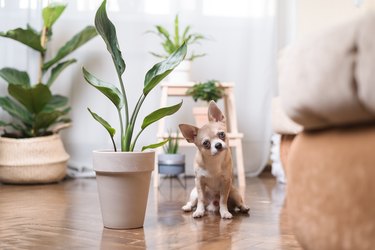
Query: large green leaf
point(15, 110)
point(156, 145)
point(55, 72)
point(107, 31)
point(107, 89)
point(45, 119)
point(160, 70)
point(34, 99)
point(56, 102)
point(26, 36)
point(11, 75)
point(51, 13)
point(74, 43)
point(104, 123)
point(160, 113)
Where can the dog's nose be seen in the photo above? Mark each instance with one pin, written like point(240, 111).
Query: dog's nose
point(218, 146)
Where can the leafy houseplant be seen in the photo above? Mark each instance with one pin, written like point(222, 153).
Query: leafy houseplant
point(129, 171)
point(204, 91)
point(171, 41)
point(171, 162)
point(34, 110)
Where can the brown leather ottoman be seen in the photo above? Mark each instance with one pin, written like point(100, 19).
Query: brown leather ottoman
point(331, 188)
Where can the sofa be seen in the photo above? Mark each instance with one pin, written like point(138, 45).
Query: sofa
point(327, 87)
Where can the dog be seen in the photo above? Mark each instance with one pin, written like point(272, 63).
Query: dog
point(212, 167)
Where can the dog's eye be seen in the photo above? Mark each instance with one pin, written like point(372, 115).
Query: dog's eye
point(207, 144)
point(221, 135)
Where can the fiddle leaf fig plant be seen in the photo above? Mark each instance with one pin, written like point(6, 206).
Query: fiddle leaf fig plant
point(33, 107)
point(118, 96)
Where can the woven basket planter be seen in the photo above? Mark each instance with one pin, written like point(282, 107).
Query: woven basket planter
point(32, 160)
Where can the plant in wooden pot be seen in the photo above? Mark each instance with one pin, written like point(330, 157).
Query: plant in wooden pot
point(123, 174)
point(171, 163)
point(204, 91)
point(170, 43)
point(31, 150)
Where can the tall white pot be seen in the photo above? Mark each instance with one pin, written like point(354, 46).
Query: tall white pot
point(123, 183)
point(181, 74)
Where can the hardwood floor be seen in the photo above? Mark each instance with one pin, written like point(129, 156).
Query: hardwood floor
point(67, 216)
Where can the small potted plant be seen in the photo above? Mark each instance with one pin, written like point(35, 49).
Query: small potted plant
point(171, 163)
point(31, 150)
point(170, 43)
point(123, 173)
point(204, 91)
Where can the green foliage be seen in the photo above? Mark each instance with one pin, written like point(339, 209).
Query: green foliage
point(206, 91)
point(157, 73)
point(172, 146)
point(171, 43)
point(33, 107)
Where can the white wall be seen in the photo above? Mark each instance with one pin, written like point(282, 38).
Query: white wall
point(241, 50)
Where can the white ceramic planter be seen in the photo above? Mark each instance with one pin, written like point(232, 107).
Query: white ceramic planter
point(123, 184)
point(171, 164)
point(32, 160)
point(181, 74)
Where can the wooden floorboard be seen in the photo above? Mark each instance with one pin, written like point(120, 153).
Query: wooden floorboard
point(67, 216)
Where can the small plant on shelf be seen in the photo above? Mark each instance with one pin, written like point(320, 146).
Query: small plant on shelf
point(206, 91)
point(171, 147)
point(171, 43)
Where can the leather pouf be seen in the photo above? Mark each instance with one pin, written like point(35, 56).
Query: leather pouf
point(331, 188)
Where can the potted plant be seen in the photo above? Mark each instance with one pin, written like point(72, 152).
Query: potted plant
point(171, 162)
point(171, 43)
point(204, 91)
point(31, 150)
point(123, 174)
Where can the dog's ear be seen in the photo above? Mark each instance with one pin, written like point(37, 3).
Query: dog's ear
point(214, 113)
point(188, 131)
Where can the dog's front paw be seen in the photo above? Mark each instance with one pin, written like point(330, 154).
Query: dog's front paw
point(187, 208)
point(244, 209)
point(226, 214)
point(198, 213)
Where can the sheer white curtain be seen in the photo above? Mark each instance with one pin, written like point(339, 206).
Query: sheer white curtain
point(241, 48)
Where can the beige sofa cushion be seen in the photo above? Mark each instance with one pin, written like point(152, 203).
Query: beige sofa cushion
point(329, 80)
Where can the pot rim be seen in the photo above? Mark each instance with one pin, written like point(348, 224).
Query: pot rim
point(31, 139)
point(110, 151)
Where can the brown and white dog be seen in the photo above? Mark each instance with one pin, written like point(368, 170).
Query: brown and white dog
point(213, 168)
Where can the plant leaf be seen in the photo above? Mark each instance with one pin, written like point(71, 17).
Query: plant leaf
point(26, 36)
point(103, 122)
point(74, 43)
point(56, 101)
point(156, 145)
point(34, 99)
point(55, 72)
point(176, 32)
point(11, 75)
point(160, 70)
point(160, 113)
point(107, 89)
point(51, 13)
point(45, 119)
point(184, 34)
point(15, 110)
point(107, 31)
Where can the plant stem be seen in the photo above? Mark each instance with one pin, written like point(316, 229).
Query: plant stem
point(125, 104)
point(114, 144)
point(135, 140)
point(122, 131)
point(43, 41)
point(129, 131)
